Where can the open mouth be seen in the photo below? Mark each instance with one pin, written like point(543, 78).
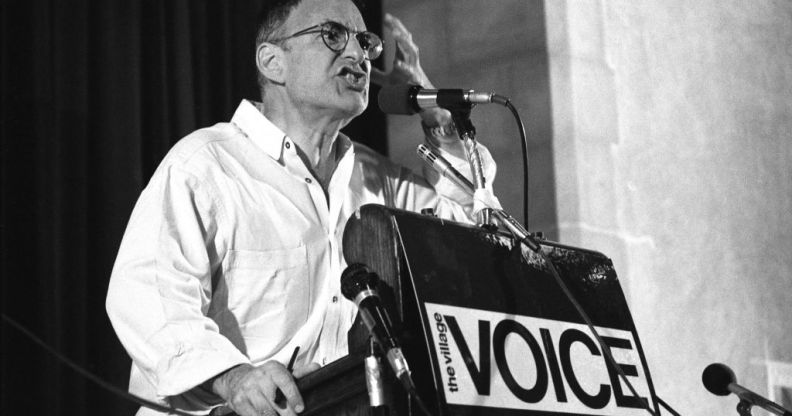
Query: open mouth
point(357, 80)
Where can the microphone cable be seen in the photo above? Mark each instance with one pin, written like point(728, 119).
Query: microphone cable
point(524, 146)
point(605, 349)
point(666, 406)
point(89, 375)
point(421, 405)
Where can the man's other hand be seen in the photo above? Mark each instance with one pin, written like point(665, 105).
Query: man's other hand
point(250, 391)
point(406, 67)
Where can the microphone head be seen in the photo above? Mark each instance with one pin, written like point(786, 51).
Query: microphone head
point(396, 99)
point(717, 377)
point(357, 278)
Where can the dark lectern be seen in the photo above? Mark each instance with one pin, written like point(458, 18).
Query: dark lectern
point(485, 326)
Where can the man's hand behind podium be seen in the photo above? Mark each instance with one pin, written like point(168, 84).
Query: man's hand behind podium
point(250, 391)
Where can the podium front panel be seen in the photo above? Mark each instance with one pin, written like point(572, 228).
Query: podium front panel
point(489, 330)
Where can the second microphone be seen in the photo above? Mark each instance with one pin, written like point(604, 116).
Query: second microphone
point(359, 285)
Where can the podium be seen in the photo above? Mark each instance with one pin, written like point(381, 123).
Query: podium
point(485, 326)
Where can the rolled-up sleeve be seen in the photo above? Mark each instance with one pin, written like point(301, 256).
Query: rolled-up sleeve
point(161, 285)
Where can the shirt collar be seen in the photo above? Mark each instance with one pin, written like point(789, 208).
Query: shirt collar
point(269, 137)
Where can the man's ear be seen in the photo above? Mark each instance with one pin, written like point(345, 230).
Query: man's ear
point(270, 62)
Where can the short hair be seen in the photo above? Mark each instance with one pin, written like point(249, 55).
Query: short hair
point(272, 16)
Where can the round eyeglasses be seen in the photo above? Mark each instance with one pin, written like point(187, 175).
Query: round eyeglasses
point(336, 36)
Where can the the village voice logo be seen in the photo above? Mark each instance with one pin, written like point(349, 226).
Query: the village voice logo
point(518, 362)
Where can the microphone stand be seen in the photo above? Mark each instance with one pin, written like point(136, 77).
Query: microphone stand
point(749, 399)
point(744, 407)
point(467, 133)
point(377, 404)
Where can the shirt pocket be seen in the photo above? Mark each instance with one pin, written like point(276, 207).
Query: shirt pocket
point(267, 288)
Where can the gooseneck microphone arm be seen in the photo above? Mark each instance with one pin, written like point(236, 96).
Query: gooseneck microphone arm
point(720, 380)
point(460, 113)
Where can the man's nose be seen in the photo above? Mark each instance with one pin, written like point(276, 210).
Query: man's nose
point(353, 50)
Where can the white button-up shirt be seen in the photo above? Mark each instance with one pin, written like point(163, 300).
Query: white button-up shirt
point(233, 254)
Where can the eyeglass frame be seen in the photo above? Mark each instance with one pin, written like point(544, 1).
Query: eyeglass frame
point(349, 33)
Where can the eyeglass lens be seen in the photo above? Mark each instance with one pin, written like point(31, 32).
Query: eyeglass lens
point(336, 36)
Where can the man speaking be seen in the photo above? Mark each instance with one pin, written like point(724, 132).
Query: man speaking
point(232, 256)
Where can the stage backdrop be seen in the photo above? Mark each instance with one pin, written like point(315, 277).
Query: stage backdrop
point(93, 96)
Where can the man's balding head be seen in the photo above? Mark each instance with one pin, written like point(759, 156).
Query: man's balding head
point(270, 20)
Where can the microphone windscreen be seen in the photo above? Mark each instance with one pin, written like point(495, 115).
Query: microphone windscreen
point(356, 278)
point(395, 99)
point(717, 377)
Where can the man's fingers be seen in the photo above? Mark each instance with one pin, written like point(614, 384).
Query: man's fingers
point(284, 408)
point(406, 49)
point(245, 407)
point(260, 402)
point(398, 52)
point(395, 25)
point(254, 401)
point(398, 30)
point(285, 382)
point(406, 61)
point(253, 390)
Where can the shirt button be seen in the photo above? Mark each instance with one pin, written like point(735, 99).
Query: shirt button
point(288, 145)
point(324, 361)
point(308, 180)
point(335, 299)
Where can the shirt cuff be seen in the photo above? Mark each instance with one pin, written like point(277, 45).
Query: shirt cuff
point(192, 360)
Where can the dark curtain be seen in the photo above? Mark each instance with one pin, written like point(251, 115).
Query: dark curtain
point(94, 93)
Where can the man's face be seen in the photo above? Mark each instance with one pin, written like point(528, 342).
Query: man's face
point(317, 78)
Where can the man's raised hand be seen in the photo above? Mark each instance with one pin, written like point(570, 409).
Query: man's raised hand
point(406, 67)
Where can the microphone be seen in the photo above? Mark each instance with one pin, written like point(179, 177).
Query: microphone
point(409, 99)
point(444, 168)
point(359, 285)
point(720, 380)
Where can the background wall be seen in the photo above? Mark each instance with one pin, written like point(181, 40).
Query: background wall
point(673, 123)
point(669, 149)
